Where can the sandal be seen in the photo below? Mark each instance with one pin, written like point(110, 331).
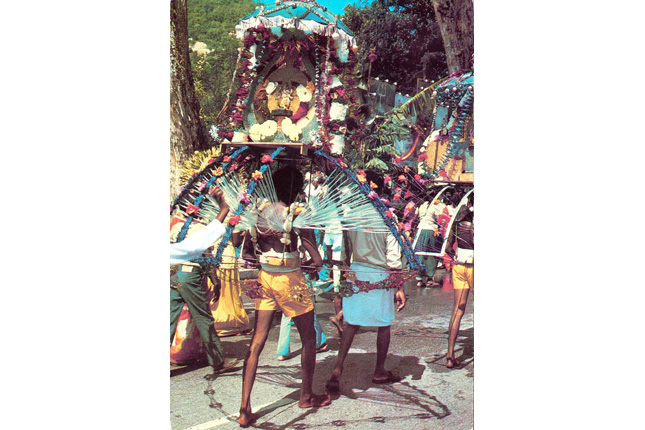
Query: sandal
point(324, 347)
point(391, 378)
point(421, 284)
point(229, 365)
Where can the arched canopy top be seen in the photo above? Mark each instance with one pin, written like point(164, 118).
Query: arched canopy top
point(305, 15)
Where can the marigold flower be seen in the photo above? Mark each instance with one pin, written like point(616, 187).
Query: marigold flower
point(219, 171)
point(234, 220)
point(257, 175)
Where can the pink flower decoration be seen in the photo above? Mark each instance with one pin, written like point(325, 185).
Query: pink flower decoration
point(397, 197)
point(245, 198)
point(388, 213)
point(372, 195)
point(372, 57)
point(387, 179)
point(408, 194)
point(403, 178)
point(417, 177)
point(266, 158)
point(386, 202)
point(422, 157)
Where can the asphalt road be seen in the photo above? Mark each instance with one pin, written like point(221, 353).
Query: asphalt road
point(430, 396)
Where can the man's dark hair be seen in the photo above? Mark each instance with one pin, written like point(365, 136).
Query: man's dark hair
point(288, 182)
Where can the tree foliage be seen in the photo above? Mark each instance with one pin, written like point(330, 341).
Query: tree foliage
point(405, 37)
point(212, 22)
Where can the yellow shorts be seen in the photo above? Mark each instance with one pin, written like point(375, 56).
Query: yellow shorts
point(287, 291)
point(462, 276)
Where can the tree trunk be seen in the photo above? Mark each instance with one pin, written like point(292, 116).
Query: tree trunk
point(455, 19)
point(187, 132)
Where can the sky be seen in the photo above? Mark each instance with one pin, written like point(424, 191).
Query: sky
point(336, 6)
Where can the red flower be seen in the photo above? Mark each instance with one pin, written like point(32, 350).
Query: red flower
point(417, 177)
point(227, 159)
point(387, 179)
point(372, 57)
point(234, 220)
point(266, 158)
point(422, 157)
point(408, 194)
point(192, 209)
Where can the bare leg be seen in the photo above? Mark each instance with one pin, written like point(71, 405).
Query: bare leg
point(337, 320)
point(345, 344)
point(305, 325)
point(263, 320)
point(382, 346)
point(461, 299)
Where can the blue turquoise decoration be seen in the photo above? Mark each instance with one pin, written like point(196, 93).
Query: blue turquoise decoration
point(200, 198)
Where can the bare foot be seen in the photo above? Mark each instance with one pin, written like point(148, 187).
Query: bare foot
point(315, 401)
point(451, 363)
point(246, 419)
point(333, 386)
point(338, 325)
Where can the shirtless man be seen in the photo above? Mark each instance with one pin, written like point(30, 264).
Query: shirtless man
point(461, 233)
point(284, 287)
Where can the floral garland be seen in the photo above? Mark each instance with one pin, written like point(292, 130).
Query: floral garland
point(394, 280)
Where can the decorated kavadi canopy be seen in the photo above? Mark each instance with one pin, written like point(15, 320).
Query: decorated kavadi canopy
point(294, 78)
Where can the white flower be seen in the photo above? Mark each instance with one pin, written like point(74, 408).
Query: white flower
point(338, 111)
point(255, 131)
point(269, 127)
point(303, 93)
point(290, 130)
